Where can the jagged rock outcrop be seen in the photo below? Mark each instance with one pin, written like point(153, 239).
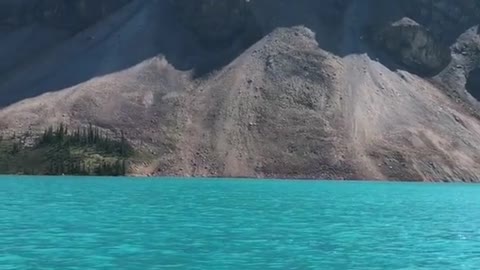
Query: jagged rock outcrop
point(414, 47)
point(446, 19)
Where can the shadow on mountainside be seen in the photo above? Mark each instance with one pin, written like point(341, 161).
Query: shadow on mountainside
point(146, 28)
point(139, 31)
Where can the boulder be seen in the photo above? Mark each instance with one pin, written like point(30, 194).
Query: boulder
point(446, 19)
point(413, 47)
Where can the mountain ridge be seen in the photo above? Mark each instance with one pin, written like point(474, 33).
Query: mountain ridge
point(280, 91)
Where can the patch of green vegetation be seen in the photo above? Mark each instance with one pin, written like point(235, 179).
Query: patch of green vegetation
point(60, 151)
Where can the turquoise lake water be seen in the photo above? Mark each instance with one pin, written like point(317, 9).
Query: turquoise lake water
point(94, 223)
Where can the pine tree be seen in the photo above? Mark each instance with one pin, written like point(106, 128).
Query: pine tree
point(60, 133)
point(77, 135)
point(122, 145)
point(15, 148)
point(90, 134)
point(118, 168)
point(62, 167)
point(124, 167)
point(50, 168)
point(83, 169)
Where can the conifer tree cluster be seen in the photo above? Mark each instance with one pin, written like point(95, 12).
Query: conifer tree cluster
point(60, 150)
point(62, 140)
point(89, 136)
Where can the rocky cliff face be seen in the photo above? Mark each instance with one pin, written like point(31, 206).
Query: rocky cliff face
point(473, 83)
point(64, 14)
point(218, 23)
point(318, 89)
point(446, 19)
point(416, 33)
point(413, 46)
point(214, 21)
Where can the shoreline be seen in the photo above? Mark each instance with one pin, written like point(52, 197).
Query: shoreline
point(214, 178)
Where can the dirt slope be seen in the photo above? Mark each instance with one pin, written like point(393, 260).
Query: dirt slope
point(298, 95)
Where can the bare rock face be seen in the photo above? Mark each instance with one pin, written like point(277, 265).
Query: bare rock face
point(68, 15)
point(445, 18)
point(215, 22)
point(473, 83)
point(414, 47)
point(317, 96)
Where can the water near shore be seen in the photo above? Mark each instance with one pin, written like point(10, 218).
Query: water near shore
point(94, 223)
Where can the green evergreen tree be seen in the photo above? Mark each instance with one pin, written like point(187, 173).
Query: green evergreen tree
point(124, 167)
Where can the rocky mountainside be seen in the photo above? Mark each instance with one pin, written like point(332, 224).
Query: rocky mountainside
point(68, 15)
point(337, 89)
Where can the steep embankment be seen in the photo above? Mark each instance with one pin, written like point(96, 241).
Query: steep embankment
point(316, 89)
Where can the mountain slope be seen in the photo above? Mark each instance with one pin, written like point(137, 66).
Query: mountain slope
point(311, 90)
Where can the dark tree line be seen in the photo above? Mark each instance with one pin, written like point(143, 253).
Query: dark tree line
point(87, 136)
point(116, 168)
point(79, 167)
point(61, 139)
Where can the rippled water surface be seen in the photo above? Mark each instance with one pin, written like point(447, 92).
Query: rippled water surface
point(75, 223)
